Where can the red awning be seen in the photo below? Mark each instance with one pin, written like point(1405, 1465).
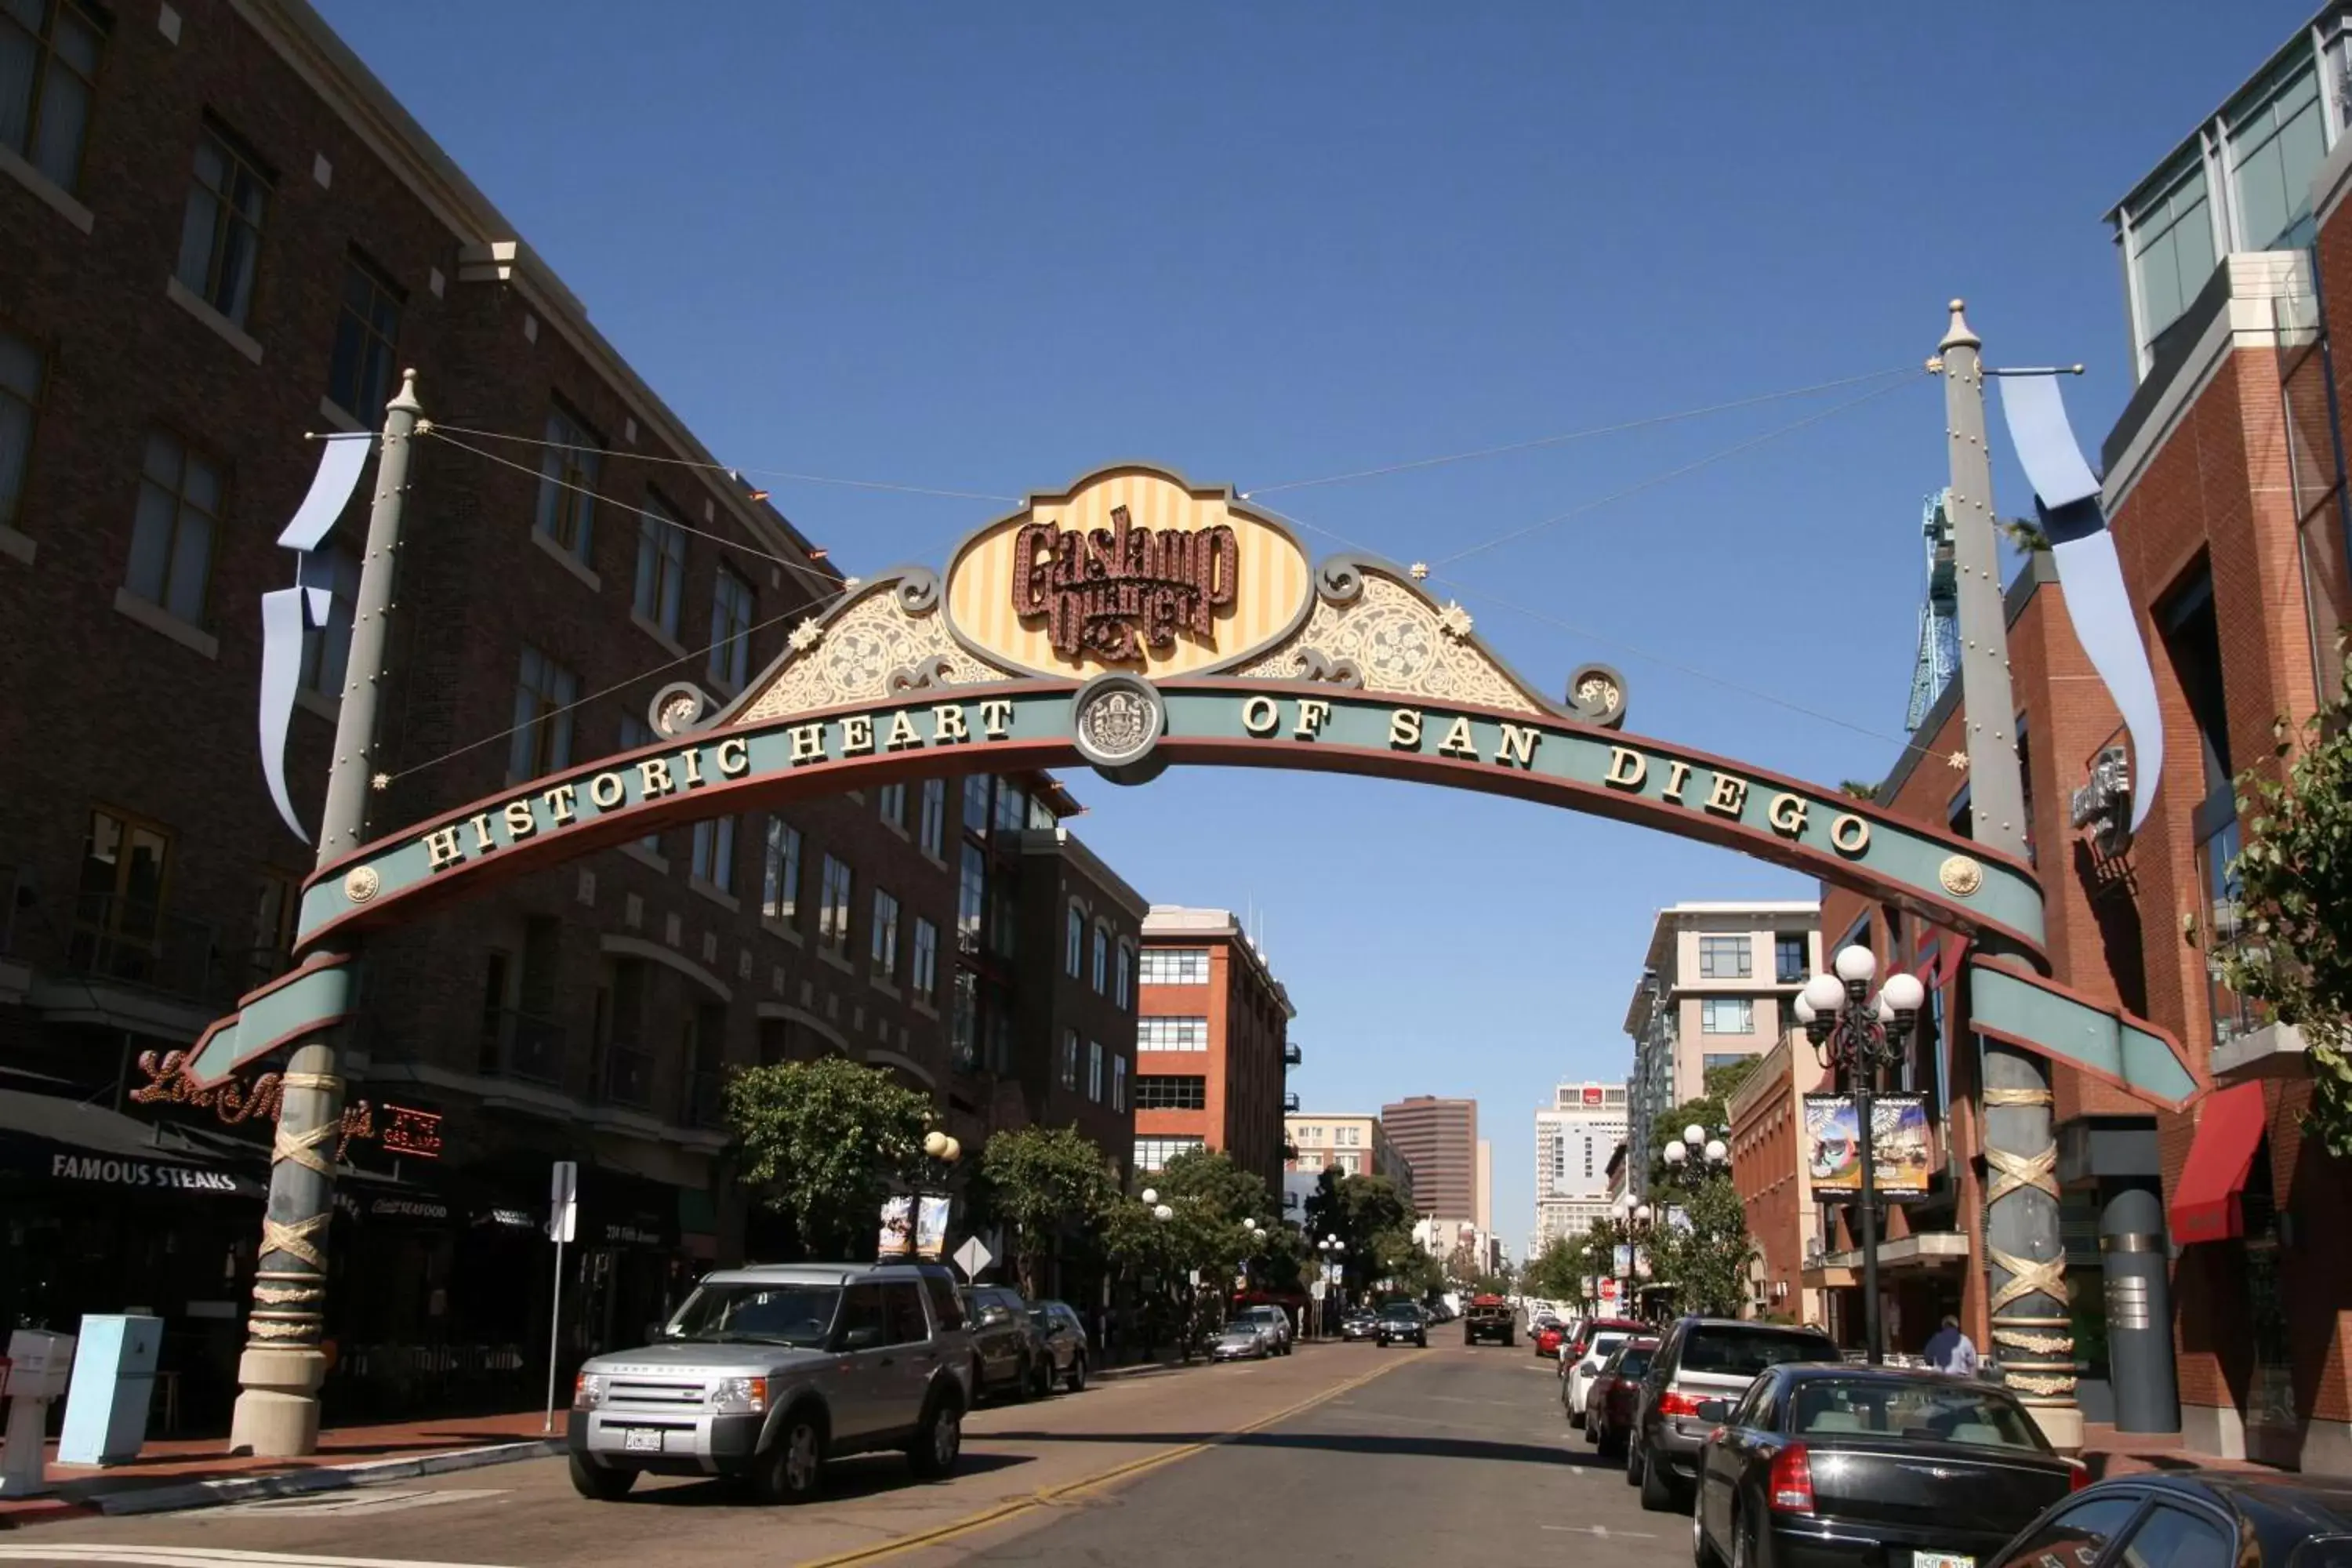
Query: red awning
point(2205, 1200)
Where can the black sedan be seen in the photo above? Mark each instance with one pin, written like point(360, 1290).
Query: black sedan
point(1401, 1321)
point(2208, 1519)
point(1822, 1465)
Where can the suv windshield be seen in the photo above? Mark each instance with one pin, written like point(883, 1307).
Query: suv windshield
point(1400, 1310)
point(786, 1314)
point(1745, 1352)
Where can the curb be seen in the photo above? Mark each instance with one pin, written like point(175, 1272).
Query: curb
point(295, 1483)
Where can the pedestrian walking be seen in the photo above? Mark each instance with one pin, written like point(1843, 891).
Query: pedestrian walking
point(1951, 1351)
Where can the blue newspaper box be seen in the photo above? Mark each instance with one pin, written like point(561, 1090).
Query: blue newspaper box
point(114, 1379)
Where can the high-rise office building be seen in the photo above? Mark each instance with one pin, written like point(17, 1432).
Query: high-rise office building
point(1575, 1135)
point(1439, 1138)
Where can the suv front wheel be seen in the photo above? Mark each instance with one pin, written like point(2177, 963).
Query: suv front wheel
point(793, 1470)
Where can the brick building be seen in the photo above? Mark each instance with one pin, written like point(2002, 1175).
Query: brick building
point(1774, 1180)
point(218, 231)
point(1350, 1142)
point(1212, 1044)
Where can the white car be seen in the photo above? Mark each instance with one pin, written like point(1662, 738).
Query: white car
point(1578, 1374)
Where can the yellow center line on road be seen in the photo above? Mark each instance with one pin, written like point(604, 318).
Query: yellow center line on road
point(1048, 1496)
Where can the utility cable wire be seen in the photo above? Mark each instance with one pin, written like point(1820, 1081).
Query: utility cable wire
point(1692, 467)
point(1618, 428)
point(729, 470)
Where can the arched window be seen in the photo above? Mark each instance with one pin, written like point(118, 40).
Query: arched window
point(1125, 976)
point(1102, 958)
point(1075, 959)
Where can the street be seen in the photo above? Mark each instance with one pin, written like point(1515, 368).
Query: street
point(1397, 1456)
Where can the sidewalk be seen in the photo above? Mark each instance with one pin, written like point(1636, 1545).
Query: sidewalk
point(189, 1473)
point(2107, 1452)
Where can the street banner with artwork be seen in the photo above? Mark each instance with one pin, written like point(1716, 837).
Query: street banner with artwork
point(898, 1228)
point(932, 1226)
point(1622, 1255)
point(1833, 1151)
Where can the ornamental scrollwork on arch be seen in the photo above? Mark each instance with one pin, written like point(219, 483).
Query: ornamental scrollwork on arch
point(1392, 641)
point(878, 646)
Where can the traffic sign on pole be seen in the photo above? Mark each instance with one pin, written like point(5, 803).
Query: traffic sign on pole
point(973, 1257)
point(564, 1201)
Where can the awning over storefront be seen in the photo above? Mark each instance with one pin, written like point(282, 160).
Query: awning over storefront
point(61, 1144)
point(2205, 1205)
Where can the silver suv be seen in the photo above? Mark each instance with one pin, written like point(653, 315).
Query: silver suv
point(767, 1372)
point(1701, 1358)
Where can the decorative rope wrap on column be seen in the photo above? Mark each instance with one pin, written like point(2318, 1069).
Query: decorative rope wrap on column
point(289, 1288)
point(2040, 1173)
point(2024, 1252)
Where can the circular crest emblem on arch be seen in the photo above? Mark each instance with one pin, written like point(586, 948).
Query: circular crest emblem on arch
point(1116, 721)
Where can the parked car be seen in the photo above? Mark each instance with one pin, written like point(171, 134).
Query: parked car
point(2208, 1518)
point(1274, 1318)
point(1609, 1399)
point(1359, 1324)
point(1827, 1464)
point(1701, 1358)
point(1008, 1352)
point(766, 1374)
point(1064, 1337)
point(1580, 1356)
point(1238, 1341)
point(1401, 1321)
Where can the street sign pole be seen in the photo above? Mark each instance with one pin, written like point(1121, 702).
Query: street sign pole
point(563, 1217)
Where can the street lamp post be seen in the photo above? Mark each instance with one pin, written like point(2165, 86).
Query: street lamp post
point(1857, 1035)
point(1334, 1253)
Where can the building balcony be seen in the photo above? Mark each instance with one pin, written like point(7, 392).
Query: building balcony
point(1290, 1103)
point(706, 1104)
point(1292, 1055)
point(98, 958)
point(522, 1046)
point(628, 1076)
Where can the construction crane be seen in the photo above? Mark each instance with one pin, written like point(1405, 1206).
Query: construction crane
point(1939, 626)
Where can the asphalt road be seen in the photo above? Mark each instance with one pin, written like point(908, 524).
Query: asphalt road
point(1346, 1453)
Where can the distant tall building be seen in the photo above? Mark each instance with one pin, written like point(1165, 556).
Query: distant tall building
point(1211, 1037)
point(1715, 989)
point(1486, 1186)
point(1575, 1135)
point(1440, 1139)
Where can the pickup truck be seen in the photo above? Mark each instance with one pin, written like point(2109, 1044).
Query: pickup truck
point(1488, 1318)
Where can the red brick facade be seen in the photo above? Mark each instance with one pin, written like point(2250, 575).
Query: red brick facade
point(1248, 1015)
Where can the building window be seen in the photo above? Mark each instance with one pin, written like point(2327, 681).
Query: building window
point(359, 373)
point(20, 394)
point(2172, 242)
point(886, 936)
point(833, 907)
point(544, 693)
point(635, 732)
point(1171, 1091)
point(780, 873)
point(1727, 1016)
point(927, 958)
point(1102, 960)
point(1154, 1153)
point(894, 804)
point(1119, 1083)
point(1710, 1060)
point(279, 902)
point(119, 915)
point(1171, 1034)
point(1725, 957)
point(1792, 963)
point(1069, 1058)
point(1012, 809)
point(1095, 1071)
point(933, 835)
point(972, 899)
point(2277, 139)
point(180, 499)
point(48, 59)
point(714, 852)
point(732, 603)
point(220, 237)
point(975, 804)
point(964, 1022)
point(661, 568)
point(1126, 977)
point(568, 472)
point(1175, 966)
point(326, 648)
point(1075, 958)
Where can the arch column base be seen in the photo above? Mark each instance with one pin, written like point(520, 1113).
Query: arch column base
point(277, 1414)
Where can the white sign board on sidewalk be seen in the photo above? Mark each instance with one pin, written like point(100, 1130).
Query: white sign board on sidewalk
point(973, 1257)
point(564, 1200)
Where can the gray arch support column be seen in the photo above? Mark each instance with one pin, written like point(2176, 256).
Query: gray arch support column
point(2025, 1254)
point(2139, 1312)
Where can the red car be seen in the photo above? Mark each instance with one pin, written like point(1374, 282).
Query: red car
point(1609, 1403)
point(1548, 1337)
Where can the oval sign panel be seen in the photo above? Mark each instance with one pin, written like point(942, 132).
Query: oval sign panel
point(1132, 569)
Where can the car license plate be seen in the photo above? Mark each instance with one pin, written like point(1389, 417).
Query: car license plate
point(1942, 1560)
point(648, 1440)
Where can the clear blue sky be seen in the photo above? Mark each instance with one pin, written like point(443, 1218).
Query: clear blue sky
point(989, 248)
